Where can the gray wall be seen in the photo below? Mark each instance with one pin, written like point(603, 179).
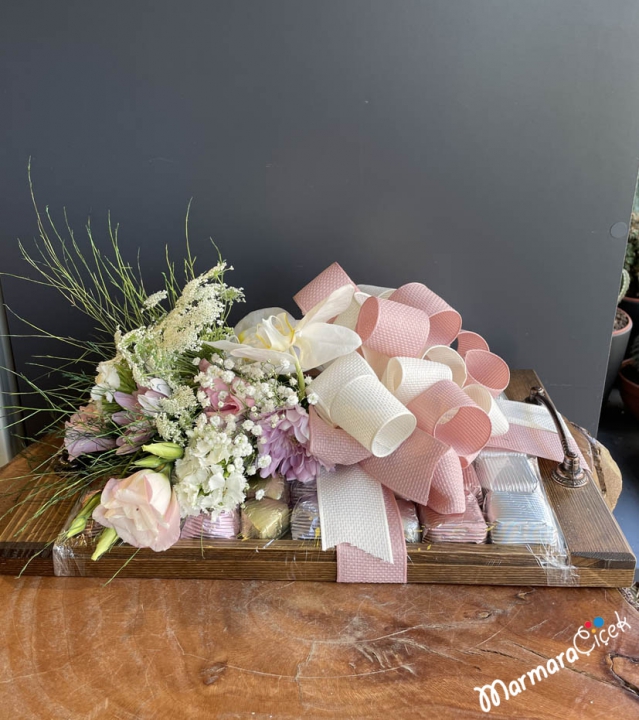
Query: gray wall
point(485, 148)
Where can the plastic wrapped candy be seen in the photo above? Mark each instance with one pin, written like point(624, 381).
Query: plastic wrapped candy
point(472, 484)
point(266, 519)
point(300, 490)
point(225, 526)
point(468, 527)
point(520, 518)
point(410, 521)
point(275, 488)
point(305, 520)
point(507, 471)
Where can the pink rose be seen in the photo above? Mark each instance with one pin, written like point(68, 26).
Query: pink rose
point(223, 397)
point(142, 509)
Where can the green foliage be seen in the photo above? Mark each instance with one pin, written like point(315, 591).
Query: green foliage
point(625, 284)
point(631, 263)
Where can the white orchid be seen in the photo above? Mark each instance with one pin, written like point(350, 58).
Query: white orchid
point(273, 335)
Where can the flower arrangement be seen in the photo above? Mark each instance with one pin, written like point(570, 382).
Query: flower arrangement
point(183, 409)
point(181, 417)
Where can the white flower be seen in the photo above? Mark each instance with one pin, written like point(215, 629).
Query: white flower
point(234, 490)
point(159, 349)
point(107, 381)
point(214, 482)
point(209, 476)
point(182, 405)
point(248, 425)
point(229, 364)
point(312, 398)
point(292, 400)
point(204, 399)
point(260, 494)
point(108, 375)
point(257, 430)
point(155, 299)
point(263, 461)
point(251, 470)
point(274, 336)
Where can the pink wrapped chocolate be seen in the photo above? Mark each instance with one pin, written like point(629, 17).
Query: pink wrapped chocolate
point(472, 484)
point(467, 527)
point(225, 526)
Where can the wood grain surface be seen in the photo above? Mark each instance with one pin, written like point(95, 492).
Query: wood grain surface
point(250, 650)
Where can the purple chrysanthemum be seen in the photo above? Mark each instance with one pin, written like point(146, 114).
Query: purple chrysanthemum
point(286, 443)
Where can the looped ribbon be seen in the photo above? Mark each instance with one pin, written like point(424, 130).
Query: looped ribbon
point(406, 414)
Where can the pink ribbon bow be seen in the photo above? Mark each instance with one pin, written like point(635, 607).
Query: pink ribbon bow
point(406, 414)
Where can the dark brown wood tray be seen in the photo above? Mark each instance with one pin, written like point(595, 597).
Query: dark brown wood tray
point(598, 553)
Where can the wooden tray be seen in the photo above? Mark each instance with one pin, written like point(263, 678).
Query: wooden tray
point(598, 553)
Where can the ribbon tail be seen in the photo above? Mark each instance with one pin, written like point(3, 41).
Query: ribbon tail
point(533, 432)
point(356, 566)
point(352, 510)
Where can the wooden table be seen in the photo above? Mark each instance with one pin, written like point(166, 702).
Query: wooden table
point(76, 649)
point(155, 649)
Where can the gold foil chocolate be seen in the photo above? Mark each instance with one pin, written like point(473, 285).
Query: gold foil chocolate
point(274, 487)
point(264, 519)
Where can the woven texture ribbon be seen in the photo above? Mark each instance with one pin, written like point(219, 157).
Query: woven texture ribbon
point(406, 414)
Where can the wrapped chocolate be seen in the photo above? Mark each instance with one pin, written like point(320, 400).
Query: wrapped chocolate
point(225, 526)
point(300, 490)
point(468, 527)
point(305, 520)
point(472, 484)
point(410, 521)
point(520, 518)
point(266, 519)
point(507, 471)
point(274, 487)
